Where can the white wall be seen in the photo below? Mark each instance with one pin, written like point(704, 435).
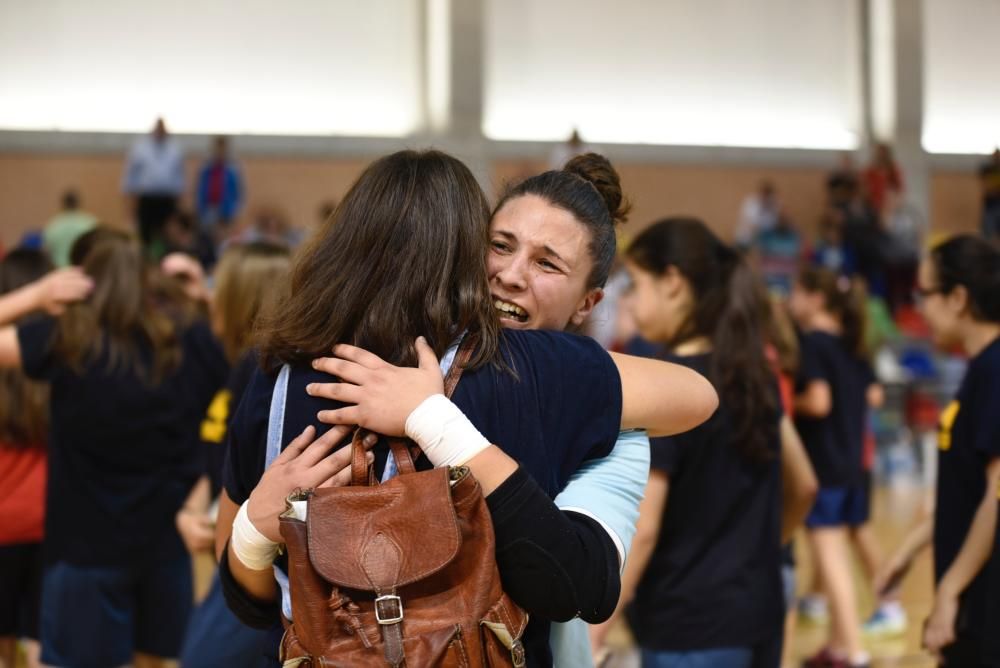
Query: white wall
point(301, 67)
point(961, 76)
point(779, 73)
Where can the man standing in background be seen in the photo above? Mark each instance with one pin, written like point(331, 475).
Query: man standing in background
point(154, 177)
point(219, 192)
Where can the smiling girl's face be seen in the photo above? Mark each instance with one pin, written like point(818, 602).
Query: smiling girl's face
point(538, 265)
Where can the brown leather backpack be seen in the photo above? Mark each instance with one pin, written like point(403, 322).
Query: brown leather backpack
point(398, 573)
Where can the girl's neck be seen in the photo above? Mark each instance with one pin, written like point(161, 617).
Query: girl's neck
point(695, 346)
point(825, 322)
point(978, 335)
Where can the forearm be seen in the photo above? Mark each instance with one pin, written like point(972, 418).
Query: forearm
point(975, 550)
point(259, 584)
point(200, 497)
point(254, 612)
point(555, 564)
point(799, 484)
point(491, 468)
point(647, 533)
point(639, 556)
point(19, 303)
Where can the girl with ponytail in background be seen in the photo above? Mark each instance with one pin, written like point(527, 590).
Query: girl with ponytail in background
point(703, 583)
point(834, 388)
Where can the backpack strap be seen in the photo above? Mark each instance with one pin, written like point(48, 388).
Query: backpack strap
point(275, 430)
point(453, 362)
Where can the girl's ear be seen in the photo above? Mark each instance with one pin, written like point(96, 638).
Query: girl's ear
point(586, 306)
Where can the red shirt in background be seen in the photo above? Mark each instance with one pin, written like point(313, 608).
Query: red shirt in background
point(22, 494)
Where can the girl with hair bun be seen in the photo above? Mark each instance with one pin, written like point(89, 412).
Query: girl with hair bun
point(405, 255)
point(551, 245)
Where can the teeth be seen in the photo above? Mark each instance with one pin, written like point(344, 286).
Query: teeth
point(507, 307)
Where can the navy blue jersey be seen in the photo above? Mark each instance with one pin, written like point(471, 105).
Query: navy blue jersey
point(123, 452)
point(968, 438)
point(834, 442)
point(714, 578)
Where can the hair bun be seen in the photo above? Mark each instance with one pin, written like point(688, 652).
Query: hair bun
point(597, 170)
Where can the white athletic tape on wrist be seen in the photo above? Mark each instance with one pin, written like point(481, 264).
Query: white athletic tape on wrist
point(254, 550)
point(444, 433)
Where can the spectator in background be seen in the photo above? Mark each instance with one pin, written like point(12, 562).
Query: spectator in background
point(219, 191)
point(883, 181)
point(154, 177)
point(778, 253)
point(989, 176)
point(760, 212)
point(842, 183)
point(181, 234)
point(65, 228)
point(271, 225)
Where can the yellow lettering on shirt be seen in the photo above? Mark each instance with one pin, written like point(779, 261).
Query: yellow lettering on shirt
point(948, 416)
point(213, 427)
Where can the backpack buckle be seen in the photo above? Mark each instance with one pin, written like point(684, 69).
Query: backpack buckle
point(392, 613)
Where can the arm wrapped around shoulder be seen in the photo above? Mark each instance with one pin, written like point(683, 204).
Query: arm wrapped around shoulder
point(251, 611)
point(556, 565)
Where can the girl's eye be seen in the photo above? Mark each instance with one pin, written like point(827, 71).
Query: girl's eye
point(500, 246)
point(549, 265)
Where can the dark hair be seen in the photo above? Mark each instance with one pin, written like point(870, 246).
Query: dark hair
point(70, 200)
point(403, 255)
point(845, 298)
point(731, 309)
point(85, 242)
point(973, 263)
point(119, 316)
point(24, 403)
point(589, 188)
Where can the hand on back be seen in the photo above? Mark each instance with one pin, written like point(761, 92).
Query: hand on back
point(380, 396)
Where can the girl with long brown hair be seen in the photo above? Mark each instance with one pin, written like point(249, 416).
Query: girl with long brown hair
point(704, 580)
point(130, 381)
point(24, 432)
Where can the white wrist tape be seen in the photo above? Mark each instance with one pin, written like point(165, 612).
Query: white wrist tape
point(444, 433)
point(254, 550)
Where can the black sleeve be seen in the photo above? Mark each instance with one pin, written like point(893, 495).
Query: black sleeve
point(246, 439)
point(35, 338)
point(251, 611)
point(665, 454)
point(810, 363)
point(555, 564)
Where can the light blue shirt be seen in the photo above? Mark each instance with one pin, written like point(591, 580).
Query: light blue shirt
point(608, 491)
point(155, 168)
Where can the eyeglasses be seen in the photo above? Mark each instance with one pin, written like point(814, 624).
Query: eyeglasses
point(920, 294)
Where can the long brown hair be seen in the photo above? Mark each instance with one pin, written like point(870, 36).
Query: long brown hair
point(403, 255)
point(731, 309)
point(247, 276)
point(120, 316)
point(24, 403)
point(844, 298)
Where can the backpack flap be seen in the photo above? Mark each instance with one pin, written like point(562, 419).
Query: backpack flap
point(367, 538)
